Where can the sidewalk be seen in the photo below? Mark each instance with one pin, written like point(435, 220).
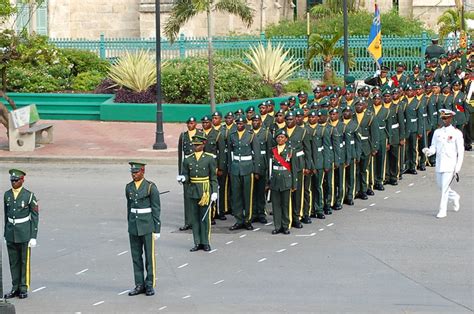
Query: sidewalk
point(95, 141)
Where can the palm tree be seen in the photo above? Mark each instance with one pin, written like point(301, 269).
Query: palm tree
point(325, 48)
point(184, 10)
point(450, 22)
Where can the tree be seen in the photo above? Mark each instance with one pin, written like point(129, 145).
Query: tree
point(325, 48)
point(331, 7)
point(450, 22)
point(184, 10)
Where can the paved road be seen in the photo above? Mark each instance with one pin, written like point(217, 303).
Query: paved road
point(385, 255)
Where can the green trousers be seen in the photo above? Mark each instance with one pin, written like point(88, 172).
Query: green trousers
point(363, 174)
point(329, 189)
point(139, 246)
point(412, 152)
point(380, 161)
point(259, 197)
point(297, 197)
point(187, 221)
point(393, 164)
point(242, 197)
point(308, 195)
point(201, 227)
point(281, 204)
point(421, 144)
point(318, 191)
point(371, 171)
point(339, 184)
point(19, 257)
point(350, 174)
point(224, 193)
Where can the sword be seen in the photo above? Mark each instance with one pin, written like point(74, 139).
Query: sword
point(164, 192)
point(207, 211)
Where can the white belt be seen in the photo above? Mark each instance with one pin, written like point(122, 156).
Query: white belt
point(381, 127)
point(341, 145)
point(435, 113)
point(263, 152)
point(425, 115)
point(243, 158)
point(141, 210)
point(330, 147)
point(364, 137)
point(186, 156)
point(413, 120)
point(394, 126)
point(320, 149)
point(300, 153)
point(352, 142)
point(280, 168)
point(20, 220)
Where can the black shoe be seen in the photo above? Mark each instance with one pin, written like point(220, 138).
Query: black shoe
point(468, 148)
point(196, 248)
point(206, 247)
point(23, 295)
point(236, 227)
point(400, 177)
point(185, 227)
point(139, 289)
point(370, 192)
point(422, 168)
point(222, 217)
point(248, 226)
point(254, 219)
point(362, 196)
point(285, 231)
point(327, 211)
point(337, 207)
point(379, 187)
point(393, 182)
point(411, 171)
point(320, 216)
point(313, 215)
point(213, 222)
point(349, 202)
point(297, 225)
point(276, 231)
point(149, 291)
point(262, 220)
point(306, 220)
point(12, 294)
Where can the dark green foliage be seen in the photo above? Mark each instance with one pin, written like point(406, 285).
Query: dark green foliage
point(87, 81)
point(84, 61)
point(298, 85)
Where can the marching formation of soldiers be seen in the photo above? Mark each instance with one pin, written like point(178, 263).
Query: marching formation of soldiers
point(309, 158)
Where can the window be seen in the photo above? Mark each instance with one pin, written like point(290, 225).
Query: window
point(38, 24)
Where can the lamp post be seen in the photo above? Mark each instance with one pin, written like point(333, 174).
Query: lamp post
point(159, 135)
point(346, 47)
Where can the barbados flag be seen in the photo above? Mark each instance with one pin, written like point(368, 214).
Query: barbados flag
point(375, 38)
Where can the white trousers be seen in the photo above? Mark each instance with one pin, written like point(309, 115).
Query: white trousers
point(444, 179)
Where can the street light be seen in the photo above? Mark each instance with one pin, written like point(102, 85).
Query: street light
point(159, 138)
point(346, 48)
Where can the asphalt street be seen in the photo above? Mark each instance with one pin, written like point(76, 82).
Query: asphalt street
point(389, 254)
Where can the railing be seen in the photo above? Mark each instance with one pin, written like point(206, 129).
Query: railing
point(409, 50)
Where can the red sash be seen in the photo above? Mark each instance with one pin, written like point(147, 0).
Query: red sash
point(395, 81)
point(280, 159)
point(459, 108)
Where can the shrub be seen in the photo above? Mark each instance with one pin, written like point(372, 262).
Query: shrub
point(135, 71)
point(124, 95)
point(87, 81)
point(31, 80)
point(84, 61)
point(186, 81)
point(298, 85)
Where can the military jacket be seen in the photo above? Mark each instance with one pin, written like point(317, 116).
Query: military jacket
point(396, 123)
point(432, 109)
point(337, 143)
point(434, 51)
point(322, 154)
point(461, 116)
point(244, 153)
point(413, 117)
point(145, 197)
point(264, 139)
point(268, 121)
point(281, 179)
point(300, 141)
point(401, 80)
point(368, 133)
point(345, 102)
point(215, 145)
point(185, 147)
point(202, 168)
point(24, 206)
point(351, 142)
point(442, 75)
point(425, 119)
point(384, 122)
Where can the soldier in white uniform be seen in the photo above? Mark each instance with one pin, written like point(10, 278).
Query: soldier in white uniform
point(448, 145)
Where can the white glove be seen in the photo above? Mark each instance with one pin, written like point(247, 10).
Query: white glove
point(156, 236)
point(377, 73)
point(180, 178)
point(426, 151)
point(213, 197)
point(32, 243)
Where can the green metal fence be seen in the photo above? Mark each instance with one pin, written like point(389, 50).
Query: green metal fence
point(410, 50)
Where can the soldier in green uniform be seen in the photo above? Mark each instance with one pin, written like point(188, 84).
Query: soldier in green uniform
point(434, 50)
point(352, 153)
point(199, 170)
point(244, 157)
point(284, 106)
point(229, 127)
point(323, 159)
point(302, 99)
point(279, 121)
point(338, 184)
point(382, 115)
point(249, 112)
point(397, 139)
point(21, 213)
point(185, 149)
point(264, 138)
point(143, 216)
point(291, 102)
point(270, 108)
point(398, 99)
point(318, 96)
point(222, 201)
point(267, 119)
point(415, 75)
point(400, 78)
point(413, 128)
point(368, 134)
point(282, 182)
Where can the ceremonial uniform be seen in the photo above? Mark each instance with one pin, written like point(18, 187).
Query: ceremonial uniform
point(336, 176)
point(144, 225)
point(382, 115)
point(397, 128)
point(352, 153)
point(413, 128)
point(21, 213)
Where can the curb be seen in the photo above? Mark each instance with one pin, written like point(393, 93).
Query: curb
point(164, 160)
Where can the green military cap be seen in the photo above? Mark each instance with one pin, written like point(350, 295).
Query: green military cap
point(317, 89)
point(292, 98)
point(281, 132)
point(290, 114)
point(428, 85)
point(198, 139)
point(433, 60)
point(305, 106)
point(418, 86)
point(250, 109)
point(377, 95)
point(239, 120)
point(270, 102)
point(229, 114)
point(299, 112)
point(263, 103)
point(443, 56)
point(401, 64)
point(239, 111)
point(205, 118)
point(409, 87)
point(333, 110)
point(365, 88)
point(416, 66)
point(435, 38)
point(456, 82)
point(313, 113)
point(428, 72)
point(328, 88)
point(284, 103)
point(349, 89)
point(324, 102)
point(16, 174)
point(217, 114)
point(323, 112)
point(386, 91)
point(337, 88)
point(349, 79)
point(345, 107)
point(384, 68)
point(395, 90)
point(280, 111)
point(446, 85)
point(333, 96)
point(136, 166)
point(375, 88)
point(191, 119)
point(302, 93)
point(256, 117)
point(361, 100)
